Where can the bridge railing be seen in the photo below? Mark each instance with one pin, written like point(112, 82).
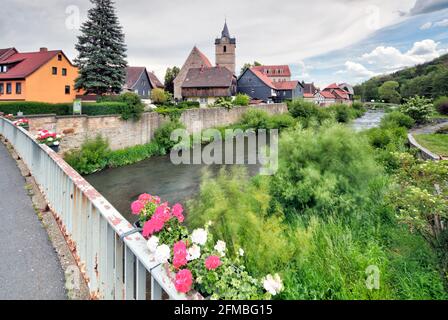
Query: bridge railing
point(115, 266)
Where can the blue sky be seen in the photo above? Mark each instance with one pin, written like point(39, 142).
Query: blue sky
point(324, 41)
point(429, 30)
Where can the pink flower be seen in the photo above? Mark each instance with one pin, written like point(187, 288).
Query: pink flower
point(177, 212)
point(184, 281)
point(152, 226)
point(137, 207)
point(163, 213)
point(212, 262)
point(155, 200)
point(180, 254)
point(145, 198)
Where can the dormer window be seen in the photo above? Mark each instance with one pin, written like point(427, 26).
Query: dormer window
point(3, 69)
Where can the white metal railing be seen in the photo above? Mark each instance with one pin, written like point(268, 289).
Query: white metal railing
point(114, 268)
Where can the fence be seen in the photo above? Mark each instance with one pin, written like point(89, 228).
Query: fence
point(115, 266)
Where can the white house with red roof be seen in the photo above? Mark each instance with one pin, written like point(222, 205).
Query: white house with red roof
point(334, 93)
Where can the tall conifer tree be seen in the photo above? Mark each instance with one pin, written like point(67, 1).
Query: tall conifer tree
point(102, 51)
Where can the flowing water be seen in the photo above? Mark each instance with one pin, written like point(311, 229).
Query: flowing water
point(159, 176)
point(175, 183)
point(370, 120)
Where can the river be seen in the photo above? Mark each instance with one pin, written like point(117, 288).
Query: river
point(174, 183)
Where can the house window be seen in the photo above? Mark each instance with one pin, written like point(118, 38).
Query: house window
point(3, 69)
point(64, 72)
point(8, 88)
point(67, 89)
point(2, 88)
point(54, 71)
point(18, 88)
point(59, 57)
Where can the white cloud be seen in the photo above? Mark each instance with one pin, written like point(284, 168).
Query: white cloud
point(426, 26)
point(442, 23)
point(388, 59)
point(356, 70)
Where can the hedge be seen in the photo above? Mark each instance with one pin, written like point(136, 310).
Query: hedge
point(61, 109)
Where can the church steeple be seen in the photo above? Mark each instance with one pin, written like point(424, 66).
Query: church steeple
point(225, 48)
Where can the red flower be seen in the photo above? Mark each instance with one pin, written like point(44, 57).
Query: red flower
point(163, 213)
point(180, 254)
point(177, 212)
point(184, 281)
point(145, 198)
point(137, 207)
point(212, 262)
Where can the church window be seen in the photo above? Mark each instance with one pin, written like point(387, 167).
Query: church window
point(225, 48)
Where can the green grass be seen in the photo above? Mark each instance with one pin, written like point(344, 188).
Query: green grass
point(437, 143)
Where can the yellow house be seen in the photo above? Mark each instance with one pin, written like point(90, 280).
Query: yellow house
point(43, 76)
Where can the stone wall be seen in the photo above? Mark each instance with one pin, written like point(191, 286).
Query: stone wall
point(122, 134)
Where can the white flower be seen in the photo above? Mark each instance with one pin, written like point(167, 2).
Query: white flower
point(221, 247)
point(50, 139)
point(209, 224)
point(152, 244)
point(56, 143)
point(163, 254)
point(241, 252)
point(199, 236)
point(194, 252)
point(273, 284)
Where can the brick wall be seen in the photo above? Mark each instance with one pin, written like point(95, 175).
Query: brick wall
point(122, 134)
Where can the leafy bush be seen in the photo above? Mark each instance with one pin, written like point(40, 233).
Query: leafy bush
point(159, 96)
point(391, 138)
point(418, 108)
point(322, 171)
point(397, 119)
point(307, 112)
point(223, 103)
point(131, 155)
point(30, 108)
point(132, 107)
point(162, 136)
point(357, 105)
point(281, 121)
point(241, 100)
point(441, 105)
point(255, 119)
point(93, 156)
point(342, 113)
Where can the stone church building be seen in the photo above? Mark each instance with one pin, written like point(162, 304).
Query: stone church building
point(225, 54)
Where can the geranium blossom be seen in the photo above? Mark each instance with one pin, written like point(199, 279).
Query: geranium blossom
point(273, 284)
point(152, 244)
point(137, 207)
point(162, 254)
point(177, 212)
point(184, 281)
point(221, 248)
point(145, 198)
point(212, 262)
point(163, 213)
point(194, 252)
point(152, 226)
point(180, 255)
point(199, 236)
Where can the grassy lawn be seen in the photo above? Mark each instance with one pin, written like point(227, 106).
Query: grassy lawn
point(437, 143)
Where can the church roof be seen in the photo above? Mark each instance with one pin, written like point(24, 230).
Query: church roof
point(216, 77)
point(225, 34)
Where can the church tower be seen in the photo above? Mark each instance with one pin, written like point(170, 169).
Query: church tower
point(225, 50)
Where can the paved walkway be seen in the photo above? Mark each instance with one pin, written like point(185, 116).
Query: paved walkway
point(430, 128)
point(29, 266)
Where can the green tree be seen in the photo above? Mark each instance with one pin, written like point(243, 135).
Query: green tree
point(388, 92)
point(250, 65)
point(159, 96)
point(102, 51)
point(170, 75)
point(440, 84)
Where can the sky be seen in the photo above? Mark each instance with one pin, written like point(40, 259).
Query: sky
point(324, 41)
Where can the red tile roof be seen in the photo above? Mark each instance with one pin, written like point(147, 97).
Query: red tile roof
point(327, 95)
point(6, 53)
point(308, 95)
point(24, 64)
point(274, 71)
point(263, 78)
point(132, 76)
point(155, 82)
point(207, 62)
point(286, 85)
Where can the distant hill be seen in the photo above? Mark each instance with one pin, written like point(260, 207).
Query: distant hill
point(429, 79)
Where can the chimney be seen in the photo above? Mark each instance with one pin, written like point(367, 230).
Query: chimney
point(43, 49)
